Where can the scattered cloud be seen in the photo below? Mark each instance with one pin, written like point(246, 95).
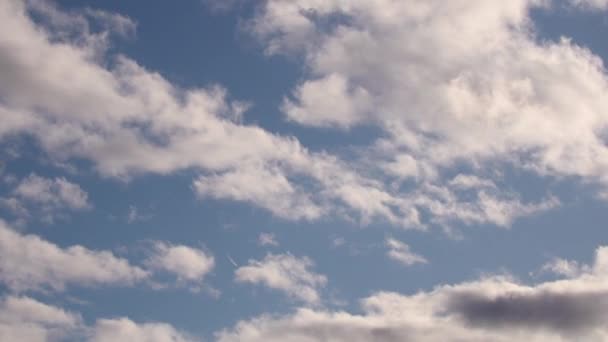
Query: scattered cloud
point(565, 268)
point(401, 253)
point(28, 320)
point(285, 273)
point(46, 198)
point(124, 329)
point(28, 262)
point(190, 265)
point(269, 189)
point(25, 319)
point(66, 90)
point(496, 97)
point(495, 308)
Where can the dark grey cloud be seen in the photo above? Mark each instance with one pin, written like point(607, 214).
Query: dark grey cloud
point(565, 312)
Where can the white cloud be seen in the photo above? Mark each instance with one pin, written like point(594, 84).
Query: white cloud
point(127, 120)
point(401, 253)
point(56, 191)
point(463, 181)
point(267, 239)
point(48, 198)
point(477, 89)
point(496, 308)
point(267, 188)
point(125, 330)
point(123, 118)
point(286, 273)
point(190, 265)
point(27, 262)
point(565, 268)
point(327, 102)
point(27, 320)
point(63, 89)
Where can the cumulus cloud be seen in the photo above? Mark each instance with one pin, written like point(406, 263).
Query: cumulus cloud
point(285, 273)
point(269, 189)
point(47, 198)
point(190, 265)
point(124, 329)
point(27, 320)
point(565, 268)
point(56, 191)
point(459, 83)
point(496, 308)
point(63, 88)
point(401, 253)
point(28, 262)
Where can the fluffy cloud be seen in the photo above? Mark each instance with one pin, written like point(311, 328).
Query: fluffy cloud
point(47, 197)
point(190, 265)
point(495, 308)
point(590, 4)
point(125, 330)
point(451, 84)
point(269, 189)
point(62, 88)
point(565, 268)
point(286, 273)
point(27, 320)
point(127, 120)
point(401, 253)
point(27, 262)
point(56, 191)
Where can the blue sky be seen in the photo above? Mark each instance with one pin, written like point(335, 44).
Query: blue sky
point(303, 170)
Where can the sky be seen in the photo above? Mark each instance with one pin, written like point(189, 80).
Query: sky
point(303, 170)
